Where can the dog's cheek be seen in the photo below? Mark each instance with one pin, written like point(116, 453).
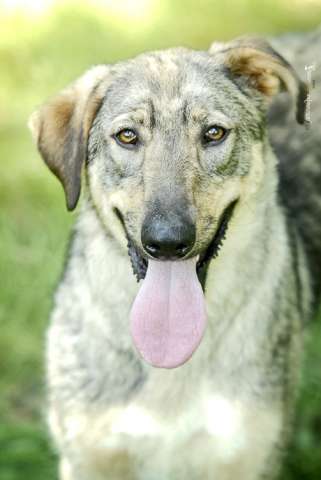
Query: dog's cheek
point(216, 195)
point(218, 160)
point(118, 202)
point(133, 209)
point(251, 183)
point(211, 201)
point(101, 197)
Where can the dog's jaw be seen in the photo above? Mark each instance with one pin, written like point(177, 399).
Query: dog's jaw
point(140, 263)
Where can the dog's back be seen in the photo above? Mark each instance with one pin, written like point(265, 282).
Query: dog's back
point(299, 149)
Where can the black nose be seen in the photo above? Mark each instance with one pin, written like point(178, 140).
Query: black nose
point(168, 238)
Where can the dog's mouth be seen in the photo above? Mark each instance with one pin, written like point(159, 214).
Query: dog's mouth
point(139, 261)
point(168, 316)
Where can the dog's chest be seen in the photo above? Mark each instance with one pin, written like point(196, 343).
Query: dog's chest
point(192, 437)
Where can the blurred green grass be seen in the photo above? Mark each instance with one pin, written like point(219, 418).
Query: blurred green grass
point(39, 54)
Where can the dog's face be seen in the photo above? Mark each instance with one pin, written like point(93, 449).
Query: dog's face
point(170, 142)
point(169, 150)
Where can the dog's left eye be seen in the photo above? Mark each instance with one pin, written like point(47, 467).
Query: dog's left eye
point(214, 135)
point(127, 137)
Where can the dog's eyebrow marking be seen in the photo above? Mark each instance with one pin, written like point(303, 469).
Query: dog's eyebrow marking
point(190, 111)
point(144, 113)
point(199, 114)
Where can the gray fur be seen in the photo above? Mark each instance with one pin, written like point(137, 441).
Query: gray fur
point(299, 151)
point(227, 412)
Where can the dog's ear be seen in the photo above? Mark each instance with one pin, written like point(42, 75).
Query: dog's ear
point(266, 70)
point(61, 128)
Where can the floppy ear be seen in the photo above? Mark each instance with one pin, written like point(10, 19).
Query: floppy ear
point(61, 128)
point(266, 70)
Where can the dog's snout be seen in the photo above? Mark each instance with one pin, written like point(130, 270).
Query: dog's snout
point(168, 239)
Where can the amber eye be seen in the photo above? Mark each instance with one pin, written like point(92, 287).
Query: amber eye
point(214, 134)
point(127, 137)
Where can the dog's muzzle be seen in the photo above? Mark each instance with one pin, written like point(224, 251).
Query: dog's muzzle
point(139, 260)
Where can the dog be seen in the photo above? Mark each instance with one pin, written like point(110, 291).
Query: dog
point(201, 174)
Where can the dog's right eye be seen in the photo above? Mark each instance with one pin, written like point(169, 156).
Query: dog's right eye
point(126, 137)
point(214, 135)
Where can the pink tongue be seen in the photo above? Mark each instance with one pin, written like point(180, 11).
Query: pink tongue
point(168, 316)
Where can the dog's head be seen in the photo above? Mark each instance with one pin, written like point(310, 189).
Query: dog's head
point(170, 143)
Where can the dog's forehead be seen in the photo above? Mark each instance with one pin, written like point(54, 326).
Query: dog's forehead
point(175, 78)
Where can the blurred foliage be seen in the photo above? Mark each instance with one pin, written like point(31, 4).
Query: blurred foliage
point(40, 51)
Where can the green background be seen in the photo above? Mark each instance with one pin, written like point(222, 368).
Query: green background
point(41, 50)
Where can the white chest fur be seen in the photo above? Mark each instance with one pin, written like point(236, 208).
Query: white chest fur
point(210, 436)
